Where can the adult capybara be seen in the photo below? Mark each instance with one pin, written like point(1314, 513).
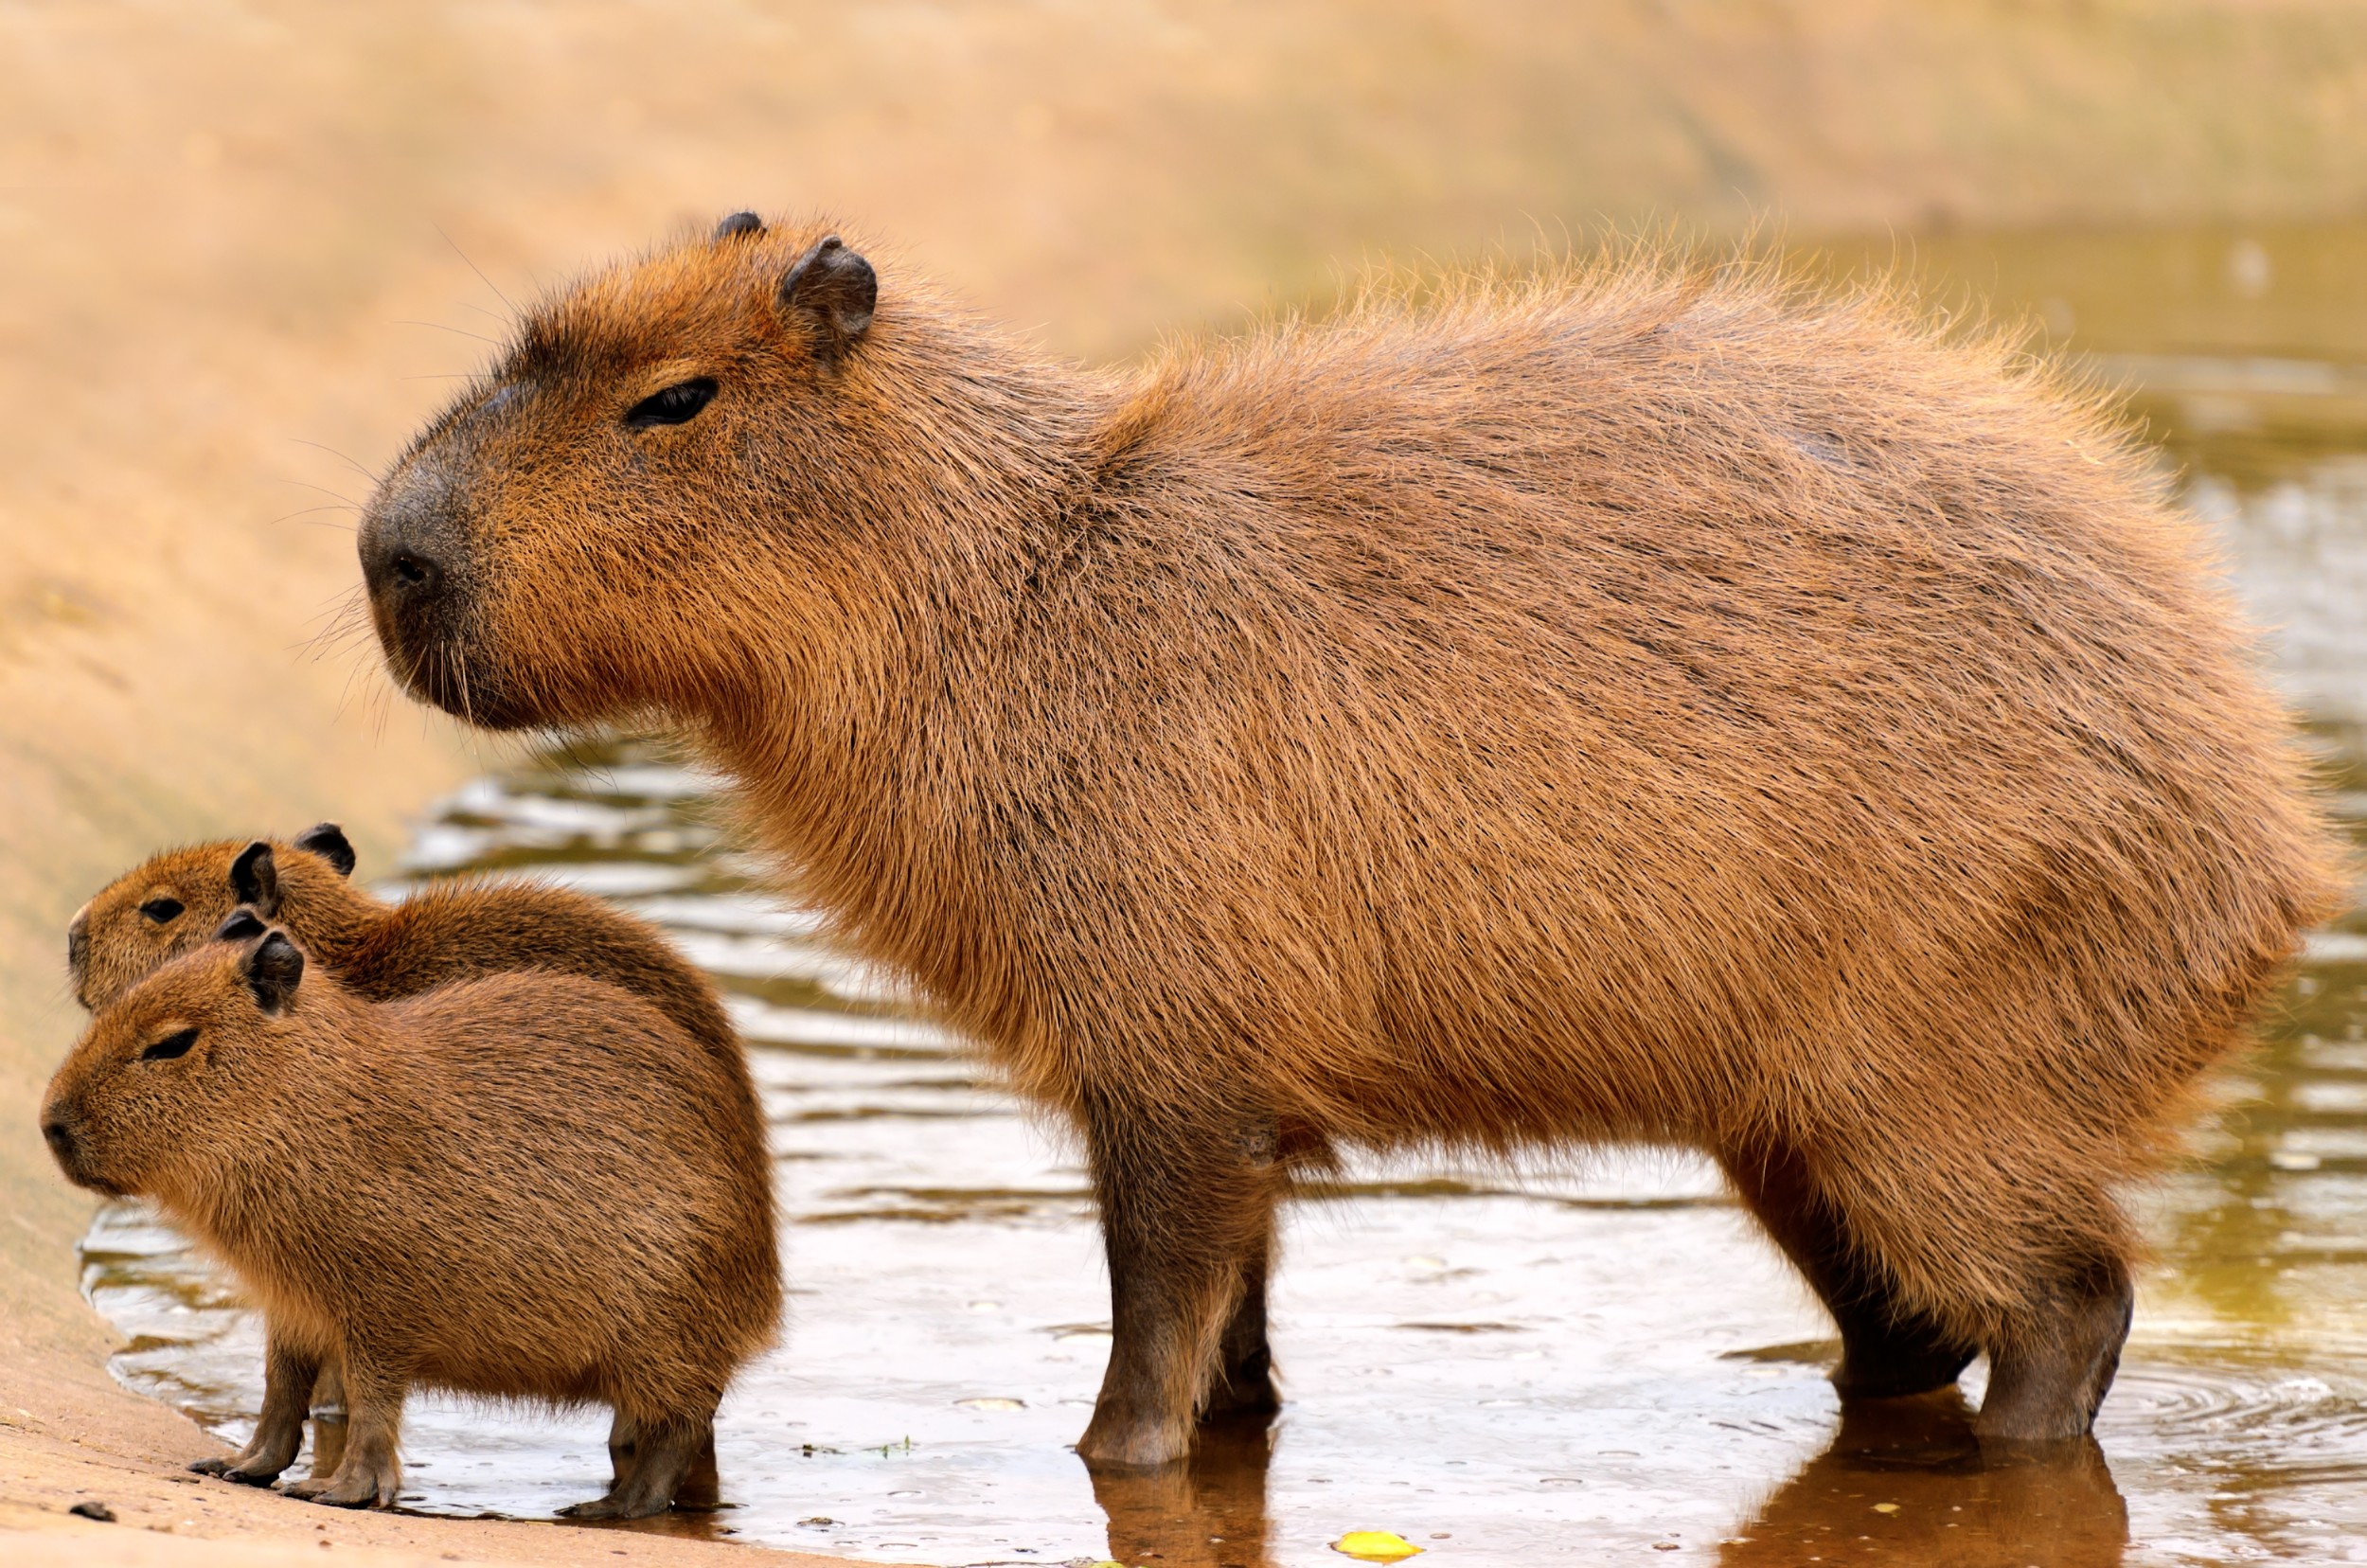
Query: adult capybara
point(380, 950)
point(1643, 703)
point(528, 1185)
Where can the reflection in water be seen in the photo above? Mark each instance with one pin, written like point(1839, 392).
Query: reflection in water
point(1585, 1364)
point(1904, 1481)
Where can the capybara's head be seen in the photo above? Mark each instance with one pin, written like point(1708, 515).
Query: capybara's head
point(172, 902)
point(162, 1074)
point(570, 540)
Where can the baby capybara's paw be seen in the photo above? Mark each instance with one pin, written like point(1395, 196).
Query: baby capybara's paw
point(359, 1489)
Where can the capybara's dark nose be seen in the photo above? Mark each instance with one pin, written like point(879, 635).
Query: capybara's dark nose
point(400, 571)
point(60, 1137)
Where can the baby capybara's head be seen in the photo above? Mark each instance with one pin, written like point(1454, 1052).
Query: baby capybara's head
point(173, 902)
point(562, 543)
point(165, 1074)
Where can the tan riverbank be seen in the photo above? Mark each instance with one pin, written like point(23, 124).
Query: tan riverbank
point(219, 236)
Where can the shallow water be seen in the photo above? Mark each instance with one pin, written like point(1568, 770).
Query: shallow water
point(1584, 1364)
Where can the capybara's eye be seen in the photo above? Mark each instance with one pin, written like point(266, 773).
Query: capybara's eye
point(161, 910)
point(673, 405)
point(170, 1046)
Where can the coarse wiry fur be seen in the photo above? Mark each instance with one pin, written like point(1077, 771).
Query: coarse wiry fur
point(1643, 703)
point(447, 931)
point(526, 1186)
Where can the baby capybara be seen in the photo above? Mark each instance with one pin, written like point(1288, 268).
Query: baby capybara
point(378, 950)
point(381, 950)
point(1642, 703)
point(527, 1185)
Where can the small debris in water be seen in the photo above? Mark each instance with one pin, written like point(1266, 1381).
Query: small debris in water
point(1376, 1546)
point(94, 1510)
point(992, 1403)
point(1886, 1507)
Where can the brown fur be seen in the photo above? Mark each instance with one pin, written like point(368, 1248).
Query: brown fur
point(525, 1185)
point(447, 931)
point(1643, 703)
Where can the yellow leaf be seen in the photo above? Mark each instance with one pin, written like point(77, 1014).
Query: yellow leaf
point(1375, 1547)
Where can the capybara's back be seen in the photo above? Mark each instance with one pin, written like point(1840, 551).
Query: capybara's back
point(1642, 703)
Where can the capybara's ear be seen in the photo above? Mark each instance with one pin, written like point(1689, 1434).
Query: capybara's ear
point(738, 224)
point(835, 287)
point(78, 946)
point(328, 840)
point(254, 880)
point(273, 970)
point(238, 927)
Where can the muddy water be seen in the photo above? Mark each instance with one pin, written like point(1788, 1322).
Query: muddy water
point(1583, 1364)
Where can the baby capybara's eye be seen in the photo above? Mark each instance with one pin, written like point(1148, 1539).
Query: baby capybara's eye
point(161, 910)
point(675, 405)
point(170, 1046)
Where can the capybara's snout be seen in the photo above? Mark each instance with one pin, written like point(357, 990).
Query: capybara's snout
point(68, 1133)
point(414, 567)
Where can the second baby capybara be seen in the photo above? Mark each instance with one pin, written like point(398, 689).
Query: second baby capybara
point(528, 1185)
point(450, 930)
point(1641, 702)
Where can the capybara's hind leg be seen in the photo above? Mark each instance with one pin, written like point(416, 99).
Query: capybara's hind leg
point(1888, 1349)
point(288, 1374)
point(1183, 1204)
point(370, 1474)
point(665, 1453)
point(2051, 1370)
point(620, 1449)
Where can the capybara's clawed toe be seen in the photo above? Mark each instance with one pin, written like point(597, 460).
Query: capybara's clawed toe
point(615, 1506)
point(209, 1467)
point(359, 1491)
point(245, 1477)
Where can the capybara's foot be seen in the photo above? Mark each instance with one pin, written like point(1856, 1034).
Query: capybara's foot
point(666, 1459)
point(1899, 1361)
point(347, 1489)
point(2045, 1385)
point(1116, 1440)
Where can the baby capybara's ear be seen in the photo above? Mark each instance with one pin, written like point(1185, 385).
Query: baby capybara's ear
point(238, 927)
point(271, 972)
point(835, 288)
point(254, 880)
point(738, 224)
point(328, 840)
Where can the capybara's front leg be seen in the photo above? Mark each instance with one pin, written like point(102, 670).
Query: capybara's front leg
point(370, 1473)
point(1244, 1381)
point(328, 1418)
point(1888, 1349)
point(667, 1453)
point(288, 1374)
point(2048, 1375)
point(1182, 1206)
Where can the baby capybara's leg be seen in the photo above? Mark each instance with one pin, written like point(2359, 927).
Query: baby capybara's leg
point(1183, 1203)
point(370, 1474)
point(1889, 1349)
point(667, 1450)
point(288, 1374)
point(2052, 1366)
point(329, 1418)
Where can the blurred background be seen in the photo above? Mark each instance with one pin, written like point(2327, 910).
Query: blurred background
point(245, 249)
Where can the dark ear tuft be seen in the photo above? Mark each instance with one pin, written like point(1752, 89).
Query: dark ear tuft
point(837, 288)
point(238, 927)
point(273, 970)
point(328, 840)
point(255, 879)
point(738, 224)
